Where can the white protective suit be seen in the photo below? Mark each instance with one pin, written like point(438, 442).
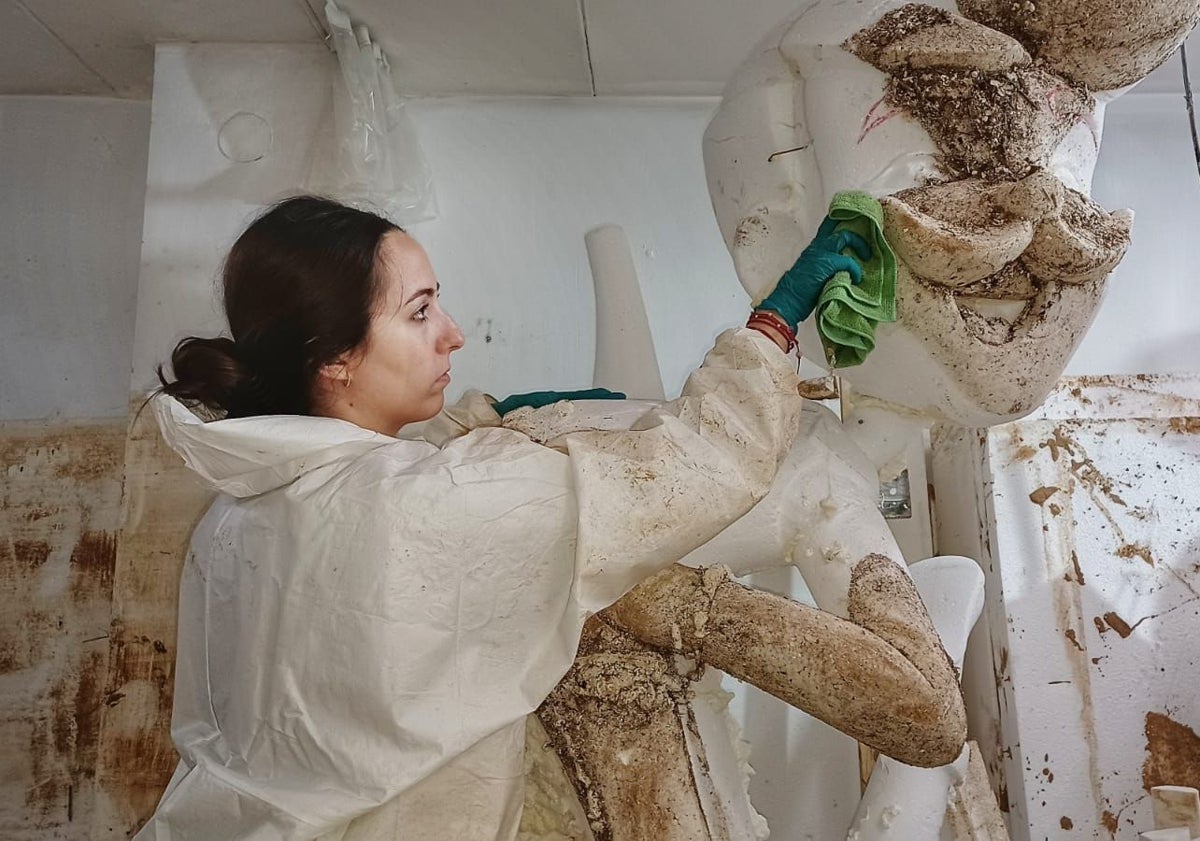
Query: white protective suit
point(365, 622)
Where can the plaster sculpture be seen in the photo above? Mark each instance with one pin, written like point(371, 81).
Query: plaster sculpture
point(648, 752)
point(978, 128)
point(647, 749)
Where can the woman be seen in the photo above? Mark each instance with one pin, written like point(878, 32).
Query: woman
point(366, 620)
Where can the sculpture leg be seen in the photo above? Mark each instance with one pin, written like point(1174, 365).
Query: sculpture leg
point(902, 802)
point(880, 676)
point(823, 508)
point(621, 724)
point(820, 516)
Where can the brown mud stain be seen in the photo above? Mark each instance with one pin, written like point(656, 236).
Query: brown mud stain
point(1172, 753)
point(59, 512)
point(1078, 570)
point(1042, 494)
point(1082, 467)
point(1066, 584)
point(1136, 550)
point(23, 640)
point(1184, 425)
point(79, 453)
point(1110, 821)
point(1024, 453)
point(1118, 624)
point(92, 563)
point(136, 755)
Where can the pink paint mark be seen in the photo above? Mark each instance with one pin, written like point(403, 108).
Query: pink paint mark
point(1088, 120)
point(1080, 118)
point(1052, 95)
point(874, 120)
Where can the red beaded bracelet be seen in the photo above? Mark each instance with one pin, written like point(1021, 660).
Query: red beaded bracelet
point(772, 319)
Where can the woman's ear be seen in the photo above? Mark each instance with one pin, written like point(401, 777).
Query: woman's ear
point(335, 374)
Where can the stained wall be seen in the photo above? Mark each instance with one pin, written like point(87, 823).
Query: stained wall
point(72, 180)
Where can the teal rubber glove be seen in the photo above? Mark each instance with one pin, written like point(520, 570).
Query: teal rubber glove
point(537, 399)
point(796, 295)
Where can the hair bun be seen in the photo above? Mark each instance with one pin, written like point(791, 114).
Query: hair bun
point(208, 372)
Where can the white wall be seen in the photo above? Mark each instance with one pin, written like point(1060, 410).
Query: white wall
point(72, 179)
point(1147, 324)
point(519, 183)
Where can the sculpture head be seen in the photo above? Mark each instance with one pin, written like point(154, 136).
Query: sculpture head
point(978, 128)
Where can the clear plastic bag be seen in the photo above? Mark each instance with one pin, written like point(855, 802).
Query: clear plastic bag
point(377, 157)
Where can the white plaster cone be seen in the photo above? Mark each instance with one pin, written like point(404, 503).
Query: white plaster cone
point(1176, 806)
point(903, 803)
point(625, 357)
point(726, 760)
point(1178, 833)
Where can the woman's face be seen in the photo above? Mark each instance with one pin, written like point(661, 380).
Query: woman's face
point(400, 374)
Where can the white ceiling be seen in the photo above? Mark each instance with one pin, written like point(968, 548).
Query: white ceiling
point(436, 47)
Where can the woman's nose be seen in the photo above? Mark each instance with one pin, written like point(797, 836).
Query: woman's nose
point(453, 337)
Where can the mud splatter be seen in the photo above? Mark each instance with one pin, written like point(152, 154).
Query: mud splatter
point(1042, 494)
point(1118, 624)
point(1172, 753)
point(1077, 568)
point(1110, 821)
point(92, 563)
point(1066, 583)
point(1136, 550)
point(1184, 425)
point(1024, 453)
point(1066, 823)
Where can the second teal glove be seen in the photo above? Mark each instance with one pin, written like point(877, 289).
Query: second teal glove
point(537, 399)
point(797, 293)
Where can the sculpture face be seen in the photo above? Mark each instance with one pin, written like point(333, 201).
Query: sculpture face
point(980, 146)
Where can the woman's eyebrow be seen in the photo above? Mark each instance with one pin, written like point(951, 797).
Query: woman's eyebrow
point(420, 292)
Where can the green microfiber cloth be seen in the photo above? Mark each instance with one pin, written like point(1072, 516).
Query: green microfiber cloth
point(847, 313)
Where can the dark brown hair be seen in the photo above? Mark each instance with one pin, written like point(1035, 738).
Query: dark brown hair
point(299, 287)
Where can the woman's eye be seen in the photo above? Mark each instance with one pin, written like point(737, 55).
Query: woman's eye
point(422, 314)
